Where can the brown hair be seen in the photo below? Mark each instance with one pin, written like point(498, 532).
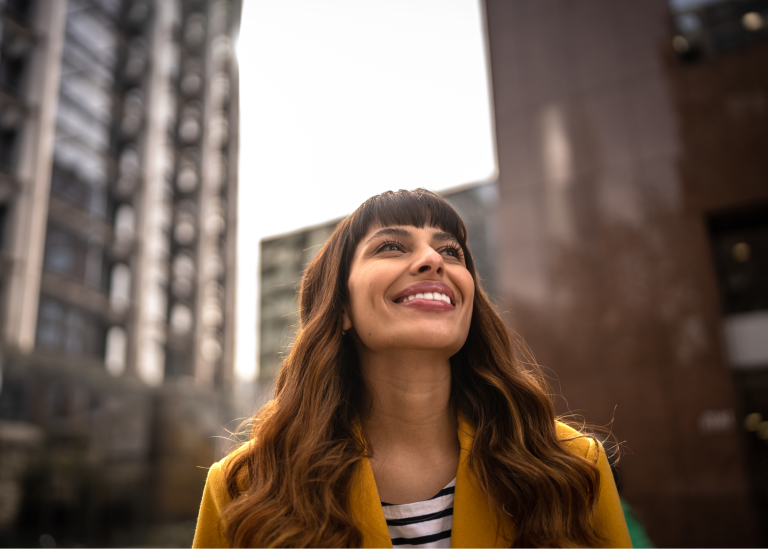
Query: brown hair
point(290, 486)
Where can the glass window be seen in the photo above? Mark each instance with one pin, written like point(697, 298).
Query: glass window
point(60, 254)
point(74, 120)
point(79, 61)
point(14, 400)
point(7, 150)
point(84, 115)
point(65, 184)
point(112, 7)
point(65, 253)
point(69, 329)
point(740, 250)
point(89, 96)
point(75, 330)
point(19, 8)
point(49, 324)
point(13, 65)
point(94, 34)
point(705, 27)
point(75, 156)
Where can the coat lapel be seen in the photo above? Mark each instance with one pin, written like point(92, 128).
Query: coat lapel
point(366, 508)
point(475, 524)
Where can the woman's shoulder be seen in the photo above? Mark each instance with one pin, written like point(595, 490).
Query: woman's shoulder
point(216, 496)
point(218, 471)
point(235, 451)
point(581, 444)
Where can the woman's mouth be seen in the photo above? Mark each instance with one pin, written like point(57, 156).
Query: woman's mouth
point(429, 295)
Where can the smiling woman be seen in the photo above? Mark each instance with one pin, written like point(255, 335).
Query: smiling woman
point(402, 417)
point(399, 275)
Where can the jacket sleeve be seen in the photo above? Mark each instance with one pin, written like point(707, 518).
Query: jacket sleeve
point(609, 517)
point(209, 530)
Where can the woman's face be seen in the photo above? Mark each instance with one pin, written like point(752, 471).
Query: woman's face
point(409, 288)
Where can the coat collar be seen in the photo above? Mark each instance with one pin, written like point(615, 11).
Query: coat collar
point(475, 524)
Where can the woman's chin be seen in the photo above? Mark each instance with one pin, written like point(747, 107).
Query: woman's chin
point(419, 342)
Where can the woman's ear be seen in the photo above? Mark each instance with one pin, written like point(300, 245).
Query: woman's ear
point(346, 321)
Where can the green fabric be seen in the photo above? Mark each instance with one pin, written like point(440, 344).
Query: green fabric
point(636, 530)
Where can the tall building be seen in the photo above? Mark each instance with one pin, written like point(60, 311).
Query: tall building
point(633, 218)
point(283, 260)
point(119, 148)
point(118, 189)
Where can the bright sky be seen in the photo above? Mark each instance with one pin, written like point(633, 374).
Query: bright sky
point(344, 99)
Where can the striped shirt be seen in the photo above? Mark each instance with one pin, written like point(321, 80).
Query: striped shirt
point(424, 523)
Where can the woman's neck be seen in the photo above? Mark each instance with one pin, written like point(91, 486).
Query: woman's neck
point(411, 393)
point(411, 402)
point(412, 428)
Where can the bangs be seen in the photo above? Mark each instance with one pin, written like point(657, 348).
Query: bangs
point(418, 208)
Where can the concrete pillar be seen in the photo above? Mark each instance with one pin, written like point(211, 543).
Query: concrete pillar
point(210, 305)
point(151, 261)
point(30, 210)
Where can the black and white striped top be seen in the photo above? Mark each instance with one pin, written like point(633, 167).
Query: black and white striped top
point(424, 523)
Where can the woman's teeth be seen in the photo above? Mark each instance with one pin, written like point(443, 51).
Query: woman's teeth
point(429, 296)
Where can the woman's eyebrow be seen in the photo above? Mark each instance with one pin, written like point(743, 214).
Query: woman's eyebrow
point(442, 235)
point(394, 231)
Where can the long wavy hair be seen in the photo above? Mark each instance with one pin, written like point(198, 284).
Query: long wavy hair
point(290, 486)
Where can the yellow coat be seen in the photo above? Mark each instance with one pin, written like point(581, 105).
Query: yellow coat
point(474, 523)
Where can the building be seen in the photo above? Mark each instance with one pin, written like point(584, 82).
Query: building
point(283, 259)
point(633, 189)
point(118, 189)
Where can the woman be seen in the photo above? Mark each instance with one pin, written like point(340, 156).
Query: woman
point(402, 415)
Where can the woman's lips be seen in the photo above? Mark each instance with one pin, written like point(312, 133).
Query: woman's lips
point(427, 305)
point(427, 295)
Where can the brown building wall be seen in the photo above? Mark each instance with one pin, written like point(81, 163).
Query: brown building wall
point(611, 155)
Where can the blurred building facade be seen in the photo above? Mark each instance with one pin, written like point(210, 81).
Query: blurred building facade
point(118, 188)
point(632, 252)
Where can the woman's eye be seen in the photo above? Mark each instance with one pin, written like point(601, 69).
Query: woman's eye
point(453, 252)
point(391, 247)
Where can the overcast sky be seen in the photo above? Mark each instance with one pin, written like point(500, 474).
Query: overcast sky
point(344, 99)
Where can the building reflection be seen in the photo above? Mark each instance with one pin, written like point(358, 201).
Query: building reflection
point(118, 155)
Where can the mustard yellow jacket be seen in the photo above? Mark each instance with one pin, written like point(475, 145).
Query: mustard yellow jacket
point(474, 523)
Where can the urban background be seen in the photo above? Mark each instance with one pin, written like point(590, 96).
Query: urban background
point(625, 238)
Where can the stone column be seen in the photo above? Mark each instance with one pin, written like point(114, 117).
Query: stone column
point(30, 210)
point(151, 271)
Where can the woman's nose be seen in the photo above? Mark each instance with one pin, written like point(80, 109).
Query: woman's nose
point(428, 260)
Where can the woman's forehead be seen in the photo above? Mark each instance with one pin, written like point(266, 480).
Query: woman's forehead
point(406, 231)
